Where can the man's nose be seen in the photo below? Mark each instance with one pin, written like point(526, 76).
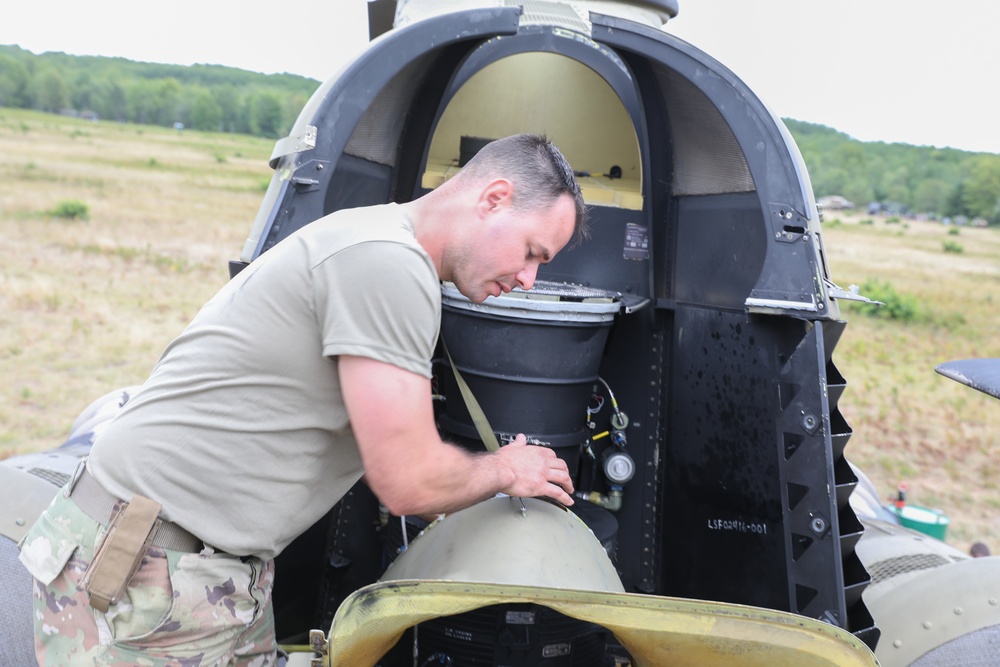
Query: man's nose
point(526, 277)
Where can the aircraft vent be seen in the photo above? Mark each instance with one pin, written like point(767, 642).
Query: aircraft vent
point(541, 12)
point(893, 567)
point(376, 137)
point(57, 478)
point(707, 158)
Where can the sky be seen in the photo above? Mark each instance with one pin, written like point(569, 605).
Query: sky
point(920, 72)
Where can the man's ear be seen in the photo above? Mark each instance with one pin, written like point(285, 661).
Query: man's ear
point(497, 194)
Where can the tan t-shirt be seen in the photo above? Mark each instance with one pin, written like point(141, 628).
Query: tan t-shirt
point(241, 431)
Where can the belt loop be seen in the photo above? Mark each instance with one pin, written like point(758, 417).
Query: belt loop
point(68, 489)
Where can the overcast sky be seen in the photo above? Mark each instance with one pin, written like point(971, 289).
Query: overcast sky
point(915, 71)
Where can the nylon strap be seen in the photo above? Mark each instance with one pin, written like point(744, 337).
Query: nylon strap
point(486, 433)
point(130, 532)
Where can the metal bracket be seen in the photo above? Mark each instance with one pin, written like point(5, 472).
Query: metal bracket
point(787, 224)
point(305, 141)
point(851, 294)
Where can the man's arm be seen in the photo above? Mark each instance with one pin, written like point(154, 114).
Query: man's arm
point(414, 472)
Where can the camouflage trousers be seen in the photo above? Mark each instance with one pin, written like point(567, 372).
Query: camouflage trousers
point(179, 610)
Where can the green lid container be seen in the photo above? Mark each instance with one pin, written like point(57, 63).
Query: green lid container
point(927, 521)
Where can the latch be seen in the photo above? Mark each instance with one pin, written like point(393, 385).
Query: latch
point(320, 646)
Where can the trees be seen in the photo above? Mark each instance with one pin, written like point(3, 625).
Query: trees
point(981, 194)
point(925, 179)
point(206, 114)
point(207, 97)
point(13, 82)
point(50, 91)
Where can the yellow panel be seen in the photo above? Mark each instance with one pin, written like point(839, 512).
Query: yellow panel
point(654, 630)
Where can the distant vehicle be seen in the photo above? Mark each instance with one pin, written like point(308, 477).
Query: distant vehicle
point(834, 203)
point(680, 362)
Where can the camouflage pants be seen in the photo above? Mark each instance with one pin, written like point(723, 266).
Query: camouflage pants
point(180, 609)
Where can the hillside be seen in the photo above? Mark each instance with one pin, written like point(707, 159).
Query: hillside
point(87, 305)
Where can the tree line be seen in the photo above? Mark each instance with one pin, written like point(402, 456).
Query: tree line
point(918, 179)
point(201, 97)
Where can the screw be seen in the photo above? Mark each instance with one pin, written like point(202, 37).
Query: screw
point(809, 422)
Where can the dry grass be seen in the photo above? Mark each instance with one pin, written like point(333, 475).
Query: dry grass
point(911, 424)
point(87, 306)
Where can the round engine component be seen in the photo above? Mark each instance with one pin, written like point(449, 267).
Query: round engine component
point(619, 467)
point(530, 359)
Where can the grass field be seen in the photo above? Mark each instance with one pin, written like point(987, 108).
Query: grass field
point(86, 306)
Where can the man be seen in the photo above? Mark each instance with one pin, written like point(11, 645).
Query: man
point(308, 370)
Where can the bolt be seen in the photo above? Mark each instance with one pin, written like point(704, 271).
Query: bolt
point(927, 625)
point(19, 522)
point(898, 643)
point(809, 422)
point(805, 237)
point(818, 525)
point(959, 611)
point(788, 215)
point(993, 601)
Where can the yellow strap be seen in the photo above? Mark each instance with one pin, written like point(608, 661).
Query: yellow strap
point(486, 433)
point(120, 554)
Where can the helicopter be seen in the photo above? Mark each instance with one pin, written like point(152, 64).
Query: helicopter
point(681, 362)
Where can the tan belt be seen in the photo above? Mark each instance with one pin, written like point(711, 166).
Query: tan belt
point(131, 528)
point(99, 505)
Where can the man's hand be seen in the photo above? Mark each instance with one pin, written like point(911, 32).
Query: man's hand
point(407, 465)
point(538, 471)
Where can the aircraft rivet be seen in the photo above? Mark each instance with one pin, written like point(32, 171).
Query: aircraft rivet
point(993, 601)
point(959, 611)
point(927, 625)
point(898, 643)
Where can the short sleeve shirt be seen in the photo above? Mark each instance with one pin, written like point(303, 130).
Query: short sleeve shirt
point(241, 432)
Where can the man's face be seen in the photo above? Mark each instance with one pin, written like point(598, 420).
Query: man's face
point(507, 247)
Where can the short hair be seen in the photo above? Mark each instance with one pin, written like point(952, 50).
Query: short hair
point(538, 170)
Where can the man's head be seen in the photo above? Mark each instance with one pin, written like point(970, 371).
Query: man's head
point(527, 206)
point(539, 172)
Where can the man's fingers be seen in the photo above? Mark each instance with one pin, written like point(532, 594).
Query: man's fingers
point(520, 440)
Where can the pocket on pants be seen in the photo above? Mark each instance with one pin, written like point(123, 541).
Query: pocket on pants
point(145, 607)
point(55, 537)
point(205, 599)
